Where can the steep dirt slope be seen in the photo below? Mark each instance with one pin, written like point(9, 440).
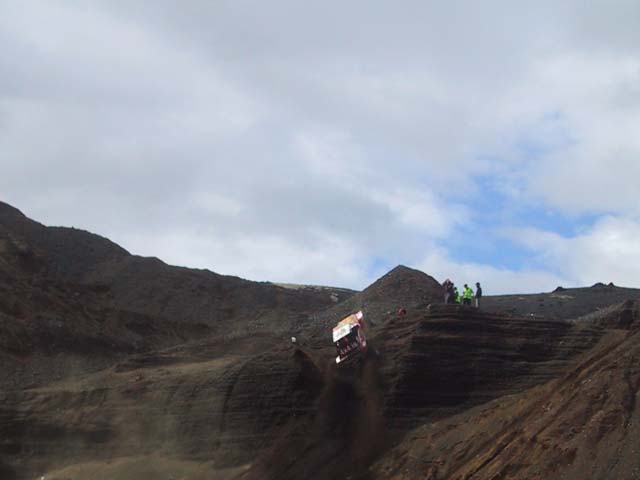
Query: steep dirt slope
point(223, 402)
point(455, 357)
point(401, 287)
point(72, 302)
point(65, 252)
point(50, 328)
point(583, 425)
point(210, 405)
point(116, 366)
point(428, 366)
point(147, 286)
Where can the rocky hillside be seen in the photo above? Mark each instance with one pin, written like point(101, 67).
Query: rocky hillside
point(582, 425)
point(83, 262)
point(72, 301)
point(118, 366)
point(227, 402)
point(427, 367)
point(402, 287)
point(150, 287)
point(51, 328)
point(562, 303)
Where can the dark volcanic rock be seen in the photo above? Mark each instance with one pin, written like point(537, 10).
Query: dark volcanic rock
point(212, 402)
point(106, 356)
point(68, 252)
point(625, 316)
point(584, 424)
point(224, 409)
point(455, 357)
point(81, 261)
point(402, 287)
point(562, 303)
point(428, 366)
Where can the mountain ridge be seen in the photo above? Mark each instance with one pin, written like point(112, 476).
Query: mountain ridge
point(119, 366)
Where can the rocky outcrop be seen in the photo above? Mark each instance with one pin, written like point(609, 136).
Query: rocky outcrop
point(584, 424)
point(116, 363)
point(70, 298)
point(148, 286)
point(425, 367)
point(230, 400)
point(221, 408)
point(401, 287)
point(455, 357)
point(625, 316)
point(562, 303)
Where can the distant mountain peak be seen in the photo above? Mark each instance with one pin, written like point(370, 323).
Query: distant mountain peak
point(401, 274)
point(7, 212)
point(401, 269)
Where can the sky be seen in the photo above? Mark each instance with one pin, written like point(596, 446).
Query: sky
point(327, 142)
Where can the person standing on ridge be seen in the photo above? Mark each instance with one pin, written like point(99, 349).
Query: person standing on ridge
point(467, 295)
point(448, 291)
point(456, 295)
point(478, 294)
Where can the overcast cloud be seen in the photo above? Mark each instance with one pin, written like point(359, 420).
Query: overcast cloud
point(326, 142)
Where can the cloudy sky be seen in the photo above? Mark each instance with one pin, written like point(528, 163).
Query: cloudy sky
point(326, 142)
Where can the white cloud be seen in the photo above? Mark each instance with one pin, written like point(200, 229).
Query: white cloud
point(596, 168)
point(493, 280)
point(606, 252)
point(339, 262)
point(239, 135)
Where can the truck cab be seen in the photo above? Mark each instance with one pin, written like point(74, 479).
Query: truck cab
point(349, 337)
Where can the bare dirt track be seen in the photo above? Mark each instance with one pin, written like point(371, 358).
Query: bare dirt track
point(120, 367)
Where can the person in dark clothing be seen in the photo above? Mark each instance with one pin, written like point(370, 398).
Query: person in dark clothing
point(448, 291)
point(478, 294)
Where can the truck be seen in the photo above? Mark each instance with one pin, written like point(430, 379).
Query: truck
point(349, 337)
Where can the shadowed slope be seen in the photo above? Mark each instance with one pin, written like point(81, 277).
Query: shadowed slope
point(147, 286)
point(562, 303)
point(232, 401)
point(584, 424)
point(111, 360)
point(429, 366)
point(400, 287)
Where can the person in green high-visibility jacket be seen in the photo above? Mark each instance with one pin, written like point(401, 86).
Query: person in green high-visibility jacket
point(467, 295)
point(456, 295)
